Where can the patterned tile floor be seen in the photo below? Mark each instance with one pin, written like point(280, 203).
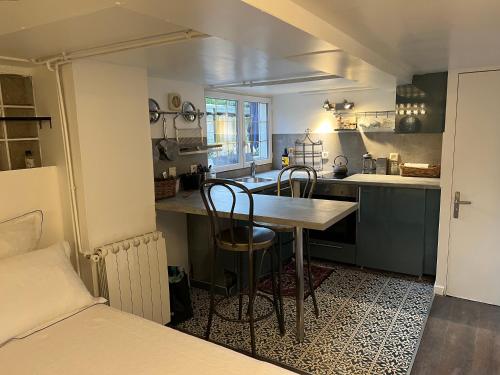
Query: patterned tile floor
point(370, 323)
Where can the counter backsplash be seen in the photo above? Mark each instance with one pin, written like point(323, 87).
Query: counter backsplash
point(416, 148)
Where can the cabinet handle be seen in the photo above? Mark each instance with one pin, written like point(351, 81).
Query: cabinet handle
point(326, 245)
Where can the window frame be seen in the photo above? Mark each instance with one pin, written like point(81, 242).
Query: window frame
point(241, 99)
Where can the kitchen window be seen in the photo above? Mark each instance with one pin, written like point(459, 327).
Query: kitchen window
point(242, 125)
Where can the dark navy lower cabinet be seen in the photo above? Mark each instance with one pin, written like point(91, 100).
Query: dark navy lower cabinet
point(391, 230)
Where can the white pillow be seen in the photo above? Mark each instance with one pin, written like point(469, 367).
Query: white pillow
point(21, 234)
point(37, 288)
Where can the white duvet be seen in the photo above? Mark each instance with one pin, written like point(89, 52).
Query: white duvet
point(101, 340)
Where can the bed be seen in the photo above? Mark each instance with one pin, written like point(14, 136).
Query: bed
point(102, 340)
point(50, 324)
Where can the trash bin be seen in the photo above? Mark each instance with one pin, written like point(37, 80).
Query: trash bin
point(181, 308)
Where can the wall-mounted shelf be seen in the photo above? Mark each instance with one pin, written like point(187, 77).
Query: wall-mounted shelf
point(39, 119)
point(192, 149)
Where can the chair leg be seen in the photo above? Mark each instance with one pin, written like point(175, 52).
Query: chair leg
point(280, 285)
point(258, 272)
point(276, 296)
point(240, 286)
point(212, 292)
point(309, 275)
point(251, 296)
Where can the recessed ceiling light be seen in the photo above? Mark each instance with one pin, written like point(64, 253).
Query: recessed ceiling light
point(118, 3)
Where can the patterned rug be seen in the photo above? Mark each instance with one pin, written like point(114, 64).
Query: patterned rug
point(319, 274)
point(370, 323)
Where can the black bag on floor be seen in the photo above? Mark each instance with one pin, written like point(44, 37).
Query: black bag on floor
point(180, 297)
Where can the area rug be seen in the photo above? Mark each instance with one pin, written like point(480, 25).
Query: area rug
point(370, 323)
point(288, 282)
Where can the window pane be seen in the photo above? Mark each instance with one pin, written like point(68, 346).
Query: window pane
point(222, 127)
point(256, 131)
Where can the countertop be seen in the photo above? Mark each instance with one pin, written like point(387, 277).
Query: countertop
point(392, 181)
point(316, 214)
point(355, 179)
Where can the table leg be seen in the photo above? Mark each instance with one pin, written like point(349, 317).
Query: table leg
point(299, 275)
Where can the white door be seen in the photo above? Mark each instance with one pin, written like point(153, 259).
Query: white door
point(474, 257)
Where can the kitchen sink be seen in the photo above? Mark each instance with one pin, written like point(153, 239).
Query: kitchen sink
point(253, 180)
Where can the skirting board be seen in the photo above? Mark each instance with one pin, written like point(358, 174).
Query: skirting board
point(439, 290)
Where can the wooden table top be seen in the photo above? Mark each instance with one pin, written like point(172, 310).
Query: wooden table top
point(316, 214)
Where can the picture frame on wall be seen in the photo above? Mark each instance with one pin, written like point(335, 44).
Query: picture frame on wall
point(174, 101)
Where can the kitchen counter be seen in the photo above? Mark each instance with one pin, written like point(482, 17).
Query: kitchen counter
point(355, 179)
point(391, 181)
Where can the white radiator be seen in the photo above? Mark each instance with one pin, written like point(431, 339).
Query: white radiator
point(133, 276)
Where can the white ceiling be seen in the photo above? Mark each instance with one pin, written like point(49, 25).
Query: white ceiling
point(310, 87)
point(247, 44)
point(371, 43)
point(101, 27)
point(209, 61)
point(427, 35)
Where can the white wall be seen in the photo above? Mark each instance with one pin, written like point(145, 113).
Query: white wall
point(159, 89)
point(294, 113)
point(111, 148)
point(174, 226)
point(27, 190)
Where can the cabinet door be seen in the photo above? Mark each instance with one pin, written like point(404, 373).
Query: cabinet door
point(390, 231)
point(406, 233)
point(371, 226)
point(432, 205)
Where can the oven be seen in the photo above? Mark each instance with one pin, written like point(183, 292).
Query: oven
point(338, 242)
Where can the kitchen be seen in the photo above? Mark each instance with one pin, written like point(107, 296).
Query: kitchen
point(363, 256)
point(361, 177)
point(395, 228)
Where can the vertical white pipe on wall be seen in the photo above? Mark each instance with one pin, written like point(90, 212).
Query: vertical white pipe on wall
point(70, 170)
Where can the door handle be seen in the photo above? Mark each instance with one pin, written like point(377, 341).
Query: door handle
point(456, 204)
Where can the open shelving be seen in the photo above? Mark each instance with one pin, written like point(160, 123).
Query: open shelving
point(19, 124)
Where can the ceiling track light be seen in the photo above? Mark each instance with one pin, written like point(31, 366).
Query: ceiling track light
point(344, 106)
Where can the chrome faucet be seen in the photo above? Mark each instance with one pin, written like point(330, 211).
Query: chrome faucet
point(252, 169)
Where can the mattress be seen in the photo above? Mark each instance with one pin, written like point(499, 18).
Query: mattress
point(102, 340)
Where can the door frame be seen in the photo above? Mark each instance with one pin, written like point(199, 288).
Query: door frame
point(447, 165)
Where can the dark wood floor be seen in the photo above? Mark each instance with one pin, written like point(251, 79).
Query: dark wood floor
point(461, 337)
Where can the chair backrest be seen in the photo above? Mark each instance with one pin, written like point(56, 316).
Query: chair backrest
point(310, 183)
point(216, 224)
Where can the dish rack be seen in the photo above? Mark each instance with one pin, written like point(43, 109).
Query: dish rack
point(309, 152)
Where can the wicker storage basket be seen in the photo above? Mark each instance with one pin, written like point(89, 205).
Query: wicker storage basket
point(433, 171)
point(165, 188)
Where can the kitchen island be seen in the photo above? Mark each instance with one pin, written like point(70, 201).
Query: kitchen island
point(301, 213)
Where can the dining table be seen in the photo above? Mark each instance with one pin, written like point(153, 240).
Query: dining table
point(301, 213)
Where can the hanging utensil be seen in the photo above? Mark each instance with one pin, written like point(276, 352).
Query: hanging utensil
point(168, 148)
